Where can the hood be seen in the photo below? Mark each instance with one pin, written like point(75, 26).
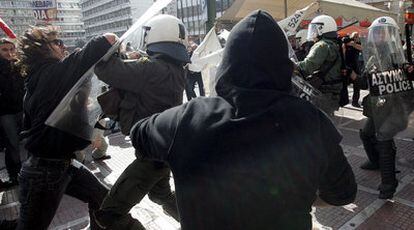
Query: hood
point(256, 68)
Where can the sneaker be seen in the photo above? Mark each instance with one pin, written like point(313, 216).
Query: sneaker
point(106, 157)
point(109, 220)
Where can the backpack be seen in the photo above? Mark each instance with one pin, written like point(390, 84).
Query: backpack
point(109, 102)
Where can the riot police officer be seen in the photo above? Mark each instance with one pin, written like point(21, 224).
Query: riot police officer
point(324, 61)
point(149, 85)
point(389, 103)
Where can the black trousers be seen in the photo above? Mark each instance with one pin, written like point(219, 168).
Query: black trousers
point(9, 127)
point(356, 93)
point(140, 178)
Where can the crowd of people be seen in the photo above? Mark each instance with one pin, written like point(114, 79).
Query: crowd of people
point(253, 157)
point(332, 63)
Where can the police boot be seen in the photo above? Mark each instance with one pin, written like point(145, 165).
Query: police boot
point(389, 183)
point(369, 143)
point(170, 208)
point(112, 221)
point(169, 205)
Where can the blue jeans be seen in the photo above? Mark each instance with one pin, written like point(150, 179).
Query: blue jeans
point(42, 185)
point(10, 128)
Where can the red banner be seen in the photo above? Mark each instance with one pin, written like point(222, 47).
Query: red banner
point(7, 29)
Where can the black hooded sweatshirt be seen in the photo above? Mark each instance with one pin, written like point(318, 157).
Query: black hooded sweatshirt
point(47, 83)
point(254, 157)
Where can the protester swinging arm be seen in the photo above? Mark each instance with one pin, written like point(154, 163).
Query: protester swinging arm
point(82, 123)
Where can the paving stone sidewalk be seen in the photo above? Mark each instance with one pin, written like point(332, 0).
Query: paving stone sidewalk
point(367, 212)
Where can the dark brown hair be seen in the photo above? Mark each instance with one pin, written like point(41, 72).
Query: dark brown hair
point(33, 46)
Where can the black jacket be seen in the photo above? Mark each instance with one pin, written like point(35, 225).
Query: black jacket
point(48, 82)
point(254, 157)
point(148, 86)
point(11, 88)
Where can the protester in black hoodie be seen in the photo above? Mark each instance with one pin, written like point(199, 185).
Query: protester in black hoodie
point(254, 157)
point(11, 106)
point(50, 171)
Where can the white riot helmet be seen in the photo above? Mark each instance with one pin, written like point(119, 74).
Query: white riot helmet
point(301, 37)
point(322, 25)
point(167, 35)
point(383, 29)
point(383, 45)
point(384, 21)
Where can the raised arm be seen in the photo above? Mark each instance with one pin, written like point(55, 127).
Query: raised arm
point(94, 50)
point(127, 75)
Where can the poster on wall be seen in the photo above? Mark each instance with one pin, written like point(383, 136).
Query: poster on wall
point(44, 10)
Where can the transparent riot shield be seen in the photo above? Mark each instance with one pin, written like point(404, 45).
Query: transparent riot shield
point(391, 98)
point(302, 89)
point(79, 110)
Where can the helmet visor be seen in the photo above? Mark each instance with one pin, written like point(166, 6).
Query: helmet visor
point(313, 31)
point(383, 50)
point(143, 35)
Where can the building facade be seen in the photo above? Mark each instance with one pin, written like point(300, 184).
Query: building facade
point(19, 15)
point(69, 21)
point(194, 14)
point(114, 16)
